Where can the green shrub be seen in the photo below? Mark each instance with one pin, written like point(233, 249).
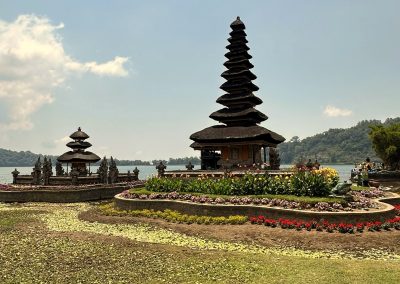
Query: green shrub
point(301, 183)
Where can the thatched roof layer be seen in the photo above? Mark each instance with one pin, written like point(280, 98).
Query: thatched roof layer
point(73, 156)
point(222, 133)
point(79, 135)
point(79, 144)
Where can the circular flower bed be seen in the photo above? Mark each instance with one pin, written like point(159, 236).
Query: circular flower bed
point(362, 200)
point(284, 223)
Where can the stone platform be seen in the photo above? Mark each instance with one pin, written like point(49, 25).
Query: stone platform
point(222, 173)
point(57, 195)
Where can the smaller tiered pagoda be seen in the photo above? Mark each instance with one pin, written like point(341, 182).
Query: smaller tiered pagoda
point(78, 157)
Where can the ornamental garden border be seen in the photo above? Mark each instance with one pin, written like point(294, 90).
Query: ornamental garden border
point(385, 212)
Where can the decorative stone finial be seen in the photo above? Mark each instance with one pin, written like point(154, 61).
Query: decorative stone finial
point(161, 169)
point(15, 174)
point(189, 166)
point(136, 174)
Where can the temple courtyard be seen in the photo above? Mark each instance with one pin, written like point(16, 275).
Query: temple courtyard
point(78, 243)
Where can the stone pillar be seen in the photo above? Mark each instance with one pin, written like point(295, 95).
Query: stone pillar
point(161, 169)
point(265, 154)
point(136, 174)
point(74, 176)
point(129, 175)
point(15, 174)
point(189, 166)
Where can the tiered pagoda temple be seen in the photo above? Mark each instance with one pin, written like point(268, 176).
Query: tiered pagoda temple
point(239, 140)
point(78, 157)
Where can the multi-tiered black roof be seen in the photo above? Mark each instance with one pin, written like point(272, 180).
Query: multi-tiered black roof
point(78, 153)
point(239, 99)
point(240, 117)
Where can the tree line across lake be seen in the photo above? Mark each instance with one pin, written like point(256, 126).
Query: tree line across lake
point(335, 146)
point(9, 158)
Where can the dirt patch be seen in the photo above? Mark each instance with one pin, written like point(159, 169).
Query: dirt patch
point(266, 236)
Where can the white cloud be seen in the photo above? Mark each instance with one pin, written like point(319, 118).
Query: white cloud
point(56, 143)
point(33, 63)
point(62, 140)
point(332, 111)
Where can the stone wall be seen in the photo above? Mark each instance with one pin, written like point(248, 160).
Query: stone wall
point(62, 196)
point(67, 180)
point(190, 208)
point(219, 173)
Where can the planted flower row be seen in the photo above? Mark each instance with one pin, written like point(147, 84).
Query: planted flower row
point(360, 203)
point(301, 183)
point(173, 216)
point(350, 228)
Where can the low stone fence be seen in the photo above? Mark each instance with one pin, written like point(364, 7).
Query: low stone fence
point(385, 212)
point(63, 196)
point(221, 173)
point(384, 175)
point(68, 180)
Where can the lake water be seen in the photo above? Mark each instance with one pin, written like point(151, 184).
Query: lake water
point(146, 171)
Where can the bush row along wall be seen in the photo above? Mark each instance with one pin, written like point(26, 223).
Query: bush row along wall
point(189, 208)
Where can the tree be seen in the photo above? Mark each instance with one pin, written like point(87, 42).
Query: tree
point(386, 143)
point(103, 170)
point(274, 160)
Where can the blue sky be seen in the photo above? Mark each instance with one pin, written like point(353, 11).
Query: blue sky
point(141, 76)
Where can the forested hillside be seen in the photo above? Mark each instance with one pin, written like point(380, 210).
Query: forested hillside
point(10, 158)
point(347, 146)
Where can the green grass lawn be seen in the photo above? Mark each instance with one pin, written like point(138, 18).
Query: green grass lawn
point(360, 188)
point(49, 244)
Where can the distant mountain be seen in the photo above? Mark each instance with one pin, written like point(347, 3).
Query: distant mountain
point(340, 145)
point(10, 158)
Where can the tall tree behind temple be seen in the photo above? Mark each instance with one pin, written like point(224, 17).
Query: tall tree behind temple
point(386, 142)
point(346, 145)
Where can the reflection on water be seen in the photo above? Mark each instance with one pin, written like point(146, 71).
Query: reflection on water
point(146, 171)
